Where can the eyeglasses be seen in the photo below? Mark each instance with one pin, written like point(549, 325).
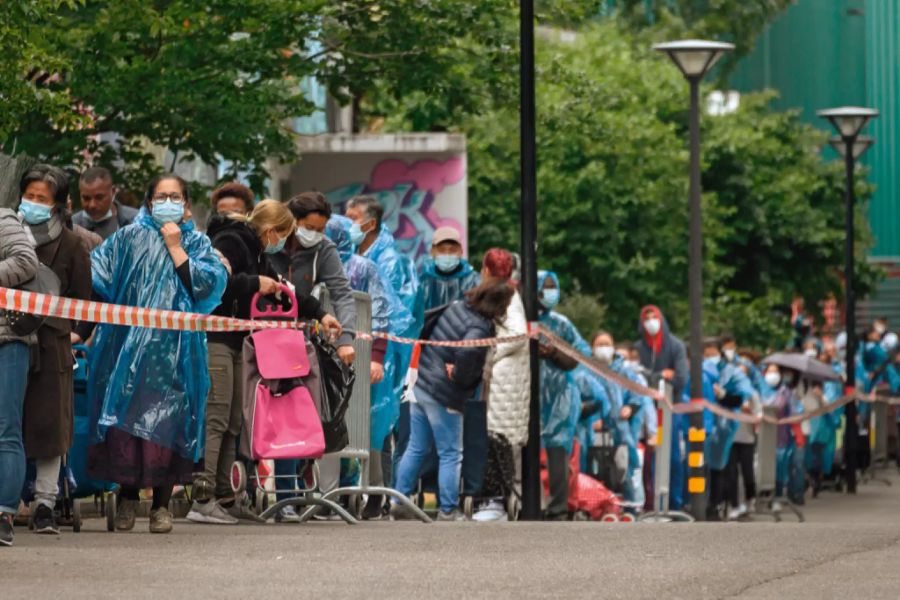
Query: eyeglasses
point(174, 197)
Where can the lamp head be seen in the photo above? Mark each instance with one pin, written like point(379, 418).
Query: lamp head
point(860, 145)
point(694, 58)
point(848, 120)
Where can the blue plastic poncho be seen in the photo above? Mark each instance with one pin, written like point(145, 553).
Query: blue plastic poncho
point(153, 383)
point(823, 430)
point(590, 391)
point(874, 368)
point(437, 289)
point(560, 400)
point(397, 269)
point(389, 315)
point(721, 430)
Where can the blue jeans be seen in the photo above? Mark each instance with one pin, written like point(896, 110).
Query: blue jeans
point(286, 478)
point(14, 359)
point(432, 424)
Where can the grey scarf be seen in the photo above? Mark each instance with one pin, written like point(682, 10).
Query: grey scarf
point(44, 233)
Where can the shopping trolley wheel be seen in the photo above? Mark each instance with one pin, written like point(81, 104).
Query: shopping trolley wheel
point(238, 477)
point(609, 518)
point(627, 518)
point(469, 506)
point(111, 511)
point(512, 508)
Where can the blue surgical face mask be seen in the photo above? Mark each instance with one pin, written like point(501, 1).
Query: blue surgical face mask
point(711, 363)
point(446, 262)
point(550, 298)
point(167, 212)
point(357, 235)
point(276, 247)
point(34, 213)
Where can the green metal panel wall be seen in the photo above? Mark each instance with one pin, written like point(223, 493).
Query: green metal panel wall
point(825, 53)
point(882, 64)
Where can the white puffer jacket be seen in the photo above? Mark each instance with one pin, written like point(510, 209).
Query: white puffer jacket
point(508, 378)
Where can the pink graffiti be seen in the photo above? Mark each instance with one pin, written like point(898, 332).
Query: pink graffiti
point(426, 175)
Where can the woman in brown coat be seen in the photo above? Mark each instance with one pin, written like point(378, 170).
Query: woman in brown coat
point(48, 412)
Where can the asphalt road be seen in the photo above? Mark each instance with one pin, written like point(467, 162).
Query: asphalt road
point(848, 548)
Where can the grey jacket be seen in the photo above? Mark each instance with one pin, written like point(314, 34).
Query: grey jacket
point(18, 263)
point(322, 264)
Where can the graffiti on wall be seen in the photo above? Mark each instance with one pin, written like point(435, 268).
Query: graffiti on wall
point(409, 194)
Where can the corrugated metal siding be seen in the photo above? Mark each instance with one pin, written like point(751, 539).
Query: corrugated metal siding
point(882, 63)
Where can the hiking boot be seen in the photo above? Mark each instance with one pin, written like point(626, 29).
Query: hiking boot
point(453, 515)
point(401, 512)
point(125, 515)
point(287, 514)
point(373, 510)
point(6, 529)
point(210, 512)
point(160, 520)
point(44, 520)
point(241, 510)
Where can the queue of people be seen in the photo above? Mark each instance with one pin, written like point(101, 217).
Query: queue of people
point(166, 406)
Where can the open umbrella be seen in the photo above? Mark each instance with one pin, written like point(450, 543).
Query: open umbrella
point(808, 367)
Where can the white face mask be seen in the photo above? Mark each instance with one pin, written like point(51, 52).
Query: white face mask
point(652, 325)
point(811, 352)
point(729, 354)
point(308, 238)
point(773, 378)
point(604, 353)
point(880, 328)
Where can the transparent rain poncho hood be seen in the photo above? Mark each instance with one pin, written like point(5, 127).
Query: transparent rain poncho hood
point(153, 383)
point(437, 289)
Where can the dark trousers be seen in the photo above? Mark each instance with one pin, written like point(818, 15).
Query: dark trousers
point(558, 471)
point(740, 464)
point(718, 484)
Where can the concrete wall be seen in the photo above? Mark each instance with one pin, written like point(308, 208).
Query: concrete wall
point(419, 178)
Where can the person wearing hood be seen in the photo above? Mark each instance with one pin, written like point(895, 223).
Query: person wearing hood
point(246, 242)
point(874, 370)
point(626, 417)
point(445, 276)
point(823, 429)
point(388, 316)
point(560, 399)
point(663, 356)
point(316, 261)
point(732, 390)
point(148, 387)
point(788, 391)
point(101, 212)
point(48, 414)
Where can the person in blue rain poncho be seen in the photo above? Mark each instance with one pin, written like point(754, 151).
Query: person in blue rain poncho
point(389, 315)
point(823, 429)
point(444, 276)
point(627, 416)
point(595, 410)
point(560, 398)
point(148, 387)
point(787, 400)
point(874, 370)
point(728, 386)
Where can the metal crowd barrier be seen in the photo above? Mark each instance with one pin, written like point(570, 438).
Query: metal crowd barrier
point(359, 415)
point(661, 485)
point(878, 426)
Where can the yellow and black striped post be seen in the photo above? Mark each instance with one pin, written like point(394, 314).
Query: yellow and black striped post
point(696, 466)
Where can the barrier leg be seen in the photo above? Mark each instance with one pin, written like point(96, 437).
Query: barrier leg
point(661, 512)
point(878, 427)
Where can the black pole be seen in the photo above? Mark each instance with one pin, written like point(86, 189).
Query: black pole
point(696, 433)
point(851, 432)
point(531, 476)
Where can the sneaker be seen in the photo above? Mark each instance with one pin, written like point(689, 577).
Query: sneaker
point(373, 510)
point(210, 512)
point(44, 520)
point(287, 514)
point(125, 515)
point(7, 534)
point(242, 511)
point(777, 506)
point(491, 510)
point(160, 520)
point(453, 515)
point(736, 513)
point(400, 512)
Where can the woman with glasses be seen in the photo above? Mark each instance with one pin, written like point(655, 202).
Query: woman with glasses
point(148, 387)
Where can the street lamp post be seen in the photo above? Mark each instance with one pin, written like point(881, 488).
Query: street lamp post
point(694, 58)
point(849, 121)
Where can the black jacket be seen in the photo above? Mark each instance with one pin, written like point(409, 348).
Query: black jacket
point(241, 247)
point(458, 322)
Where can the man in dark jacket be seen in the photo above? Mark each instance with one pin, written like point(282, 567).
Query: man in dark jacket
point(101, 213)
point(663, 356)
